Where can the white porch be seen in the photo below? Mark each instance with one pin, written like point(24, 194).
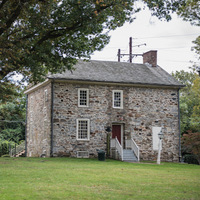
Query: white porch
point(131, 153)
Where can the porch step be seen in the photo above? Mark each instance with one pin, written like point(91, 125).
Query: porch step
point(20, 154)
point(128, 155)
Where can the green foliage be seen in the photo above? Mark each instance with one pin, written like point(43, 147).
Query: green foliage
point(189, 10)
point(5, 146)
point(189, 100)
point(197, 46)
point(12, 117)
point(195, 117)
point(191, 144)
point(7, 91)
point(190, 159)
point(37, 37)
point(190, 113)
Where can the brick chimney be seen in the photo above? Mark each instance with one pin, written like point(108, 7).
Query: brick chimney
point(150, 57)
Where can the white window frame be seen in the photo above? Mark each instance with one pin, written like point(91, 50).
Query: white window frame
point(87, 96)
point(121, 100)
point(88, 130)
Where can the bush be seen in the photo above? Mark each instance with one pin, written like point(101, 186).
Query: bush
point(6, 155)
point(5, 146)
point(191, 144)
point(190, 159)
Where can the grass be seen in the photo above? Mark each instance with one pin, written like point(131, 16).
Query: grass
point(68, 178)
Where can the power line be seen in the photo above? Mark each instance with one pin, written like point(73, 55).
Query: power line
point(168, 36)
point(131, 55)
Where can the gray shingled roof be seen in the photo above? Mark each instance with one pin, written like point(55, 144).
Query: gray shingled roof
point(118, 72)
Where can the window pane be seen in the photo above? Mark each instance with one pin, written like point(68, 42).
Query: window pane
point(117, 99)
point(83, 129)
point(83, 98)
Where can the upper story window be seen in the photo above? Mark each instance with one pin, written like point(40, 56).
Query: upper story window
point(83, 97)
point(83, 129)
point(117, 99)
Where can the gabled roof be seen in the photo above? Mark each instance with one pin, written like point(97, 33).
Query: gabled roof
point(118, 72)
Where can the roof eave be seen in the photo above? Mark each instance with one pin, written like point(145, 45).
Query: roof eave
point(116, 83)
point(39, 85)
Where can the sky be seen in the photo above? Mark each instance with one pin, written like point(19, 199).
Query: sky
point(172, 40)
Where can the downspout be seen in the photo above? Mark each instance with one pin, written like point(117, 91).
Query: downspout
point(52, 102)
point(179, 127)
point(26, 126)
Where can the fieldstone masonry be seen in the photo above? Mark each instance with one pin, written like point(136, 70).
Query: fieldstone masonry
point(39, 122)
point(143, 108)
point(150, 99)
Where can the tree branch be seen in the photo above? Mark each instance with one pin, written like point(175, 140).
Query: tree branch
point(50, 35)
point(55, 34)
point(2, 3)
point(14, 15)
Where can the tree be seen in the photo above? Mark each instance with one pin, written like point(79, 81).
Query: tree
point(195, 117)
point(188, 99)
point(189, 10)
point(12, 118)
point(190, 114)
point(38, 36)
point(196, 48)
point(191, 144)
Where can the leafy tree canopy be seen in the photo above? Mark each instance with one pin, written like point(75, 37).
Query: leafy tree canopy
point(39, 36)
point(12, 117)
point(190, 113)
point(189, 100)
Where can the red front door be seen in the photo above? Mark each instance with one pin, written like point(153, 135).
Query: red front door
point(116, 132)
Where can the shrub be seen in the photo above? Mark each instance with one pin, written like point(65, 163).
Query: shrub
point(191, 144)
point(190, 159)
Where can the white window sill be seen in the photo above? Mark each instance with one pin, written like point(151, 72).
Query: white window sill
point(84, 140)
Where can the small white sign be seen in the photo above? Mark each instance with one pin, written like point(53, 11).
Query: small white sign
point(156, 131)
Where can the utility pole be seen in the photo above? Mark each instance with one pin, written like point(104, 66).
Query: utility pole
point(131, 55)
point(119, 53)
point(130, 49)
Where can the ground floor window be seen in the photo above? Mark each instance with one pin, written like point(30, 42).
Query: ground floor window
point(83, 129)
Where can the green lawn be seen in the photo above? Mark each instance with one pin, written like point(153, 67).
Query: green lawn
point(67, 178)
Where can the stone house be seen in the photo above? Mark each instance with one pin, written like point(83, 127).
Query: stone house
point(112, 106)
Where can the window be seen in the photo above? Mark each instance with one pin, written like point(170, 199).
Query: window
point(83, 97)
point(117, 99)
point(83, 129)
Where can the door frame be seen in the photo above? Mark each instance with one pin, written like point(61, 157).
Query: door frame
point(122, 132)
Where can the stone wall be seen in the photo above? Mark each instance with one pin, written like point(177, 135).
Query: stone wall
point(39, 122)
point(143, 109)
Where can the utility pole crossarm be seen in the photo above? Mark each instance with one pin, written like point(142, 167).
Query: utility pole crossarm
point(131, 55)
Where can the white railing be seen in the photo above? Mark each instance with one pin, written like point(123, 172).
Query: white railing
point(131, 144)
point(118, 147)
point(112, 143)
point(17, 149)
